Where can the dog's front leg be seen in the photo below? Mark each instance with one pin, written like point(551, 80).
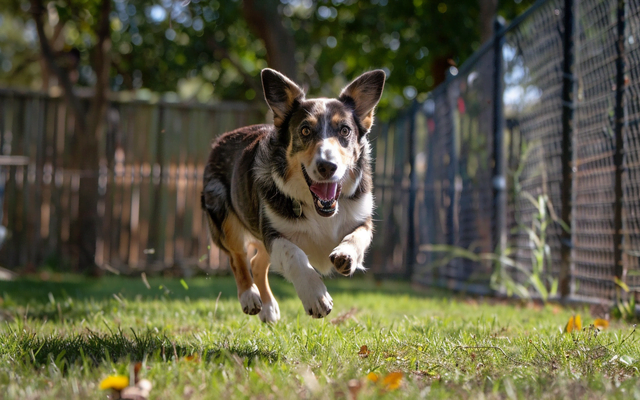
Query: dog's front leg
point(349, 255)
point(289, 259)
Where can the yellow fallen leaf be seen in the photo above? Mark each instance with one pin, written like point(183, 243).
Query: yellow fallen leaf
point(601, 323)
point(116, 382)
point(570, 325)
point(373, 377)
point(578, 322)
point(364, 351)
point(393, 380)
point(574, 324)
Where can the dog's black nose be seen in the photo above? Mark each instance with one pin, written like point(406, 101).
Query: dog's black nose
point(326, 169)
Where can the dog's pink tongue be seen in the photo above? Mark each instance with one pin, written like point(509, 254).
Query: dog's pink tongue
point(325, 191)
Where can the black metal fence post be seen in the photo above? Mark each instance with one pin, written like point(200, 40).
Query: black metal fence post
point(499, 180)
point(411, 234)
point(453, 167)
point(568, 106)
point(618, 157)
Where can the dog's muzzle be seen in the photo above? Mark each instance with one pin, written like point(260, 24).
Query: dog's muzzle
point(325, 195)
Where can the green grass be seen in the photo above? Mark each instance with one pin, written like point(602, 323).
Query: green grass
point(58, 340)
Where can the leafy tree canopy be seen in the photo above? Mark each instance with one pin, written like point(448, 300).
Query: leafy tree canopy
point(207, 50)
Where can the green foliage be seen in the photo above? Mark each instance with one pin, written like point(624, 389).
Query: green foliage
point(60, 339)
point(205, 49)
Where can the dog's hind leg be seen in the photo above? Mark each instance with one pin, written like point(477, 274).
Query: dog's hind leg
point(229, 236)
point(233, 240)
point(260, 268)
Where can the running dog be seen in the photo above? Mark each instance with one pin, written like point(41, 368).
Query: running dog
point(299, 191)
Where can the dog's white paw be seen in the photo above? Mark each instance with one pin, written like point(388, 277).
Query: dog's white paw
point(345, 259)
point(270, 312)
point(250, 300)
point(316, 300)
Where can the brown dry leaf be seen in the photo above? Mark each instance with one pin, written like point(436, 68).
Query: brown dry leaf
point(354, 385)
point(364, 351)
point(138, 392)
point(345, 316)
point(601, 323)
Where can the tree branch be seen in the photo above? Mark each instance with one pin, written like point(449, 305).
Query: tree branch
point(263, 18)
point(101, 64)
point(37, 10)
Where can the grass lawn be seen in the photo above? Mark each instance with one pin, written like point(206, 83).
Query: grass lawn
point(59, 340)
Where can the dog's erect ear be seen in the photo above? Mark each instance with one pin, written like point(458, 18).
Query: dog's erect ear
point(280, 93)
point(365, 93)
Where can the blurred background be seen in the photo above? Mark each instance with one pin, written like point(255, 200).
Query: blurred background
point(207, 51)
point(506, 141)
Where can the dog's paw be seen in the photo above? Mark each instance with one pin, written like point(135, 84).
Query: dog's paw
point(316, 300)
point(344, 259)
point(270, 312)
point(250, 300)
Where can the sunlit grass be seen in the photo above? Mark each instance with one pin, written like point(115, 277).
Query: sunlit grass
point(60, 339)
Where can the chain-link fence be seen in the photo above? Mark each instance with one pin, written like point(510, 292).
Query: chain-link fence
point(530, 151)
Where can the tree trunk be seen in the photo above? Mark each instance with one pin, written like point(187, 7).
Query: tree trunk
point(263, 18)
point(488, 10)
point(84, 147)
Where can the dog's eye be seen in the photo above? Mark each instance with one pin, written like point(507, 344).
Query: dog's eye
point(306, 131)
point(345, 131)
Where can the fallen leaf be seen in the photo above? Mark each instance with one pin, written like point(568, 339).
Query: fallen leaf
point(115, 382)
point(373, 377)
point(364, 351)
point(574, 324)
point(192, 358)
point(601, 323)
point(354, 386)
point(345, 316)
point(138, 392)
point(393, 380)
point(578, 322)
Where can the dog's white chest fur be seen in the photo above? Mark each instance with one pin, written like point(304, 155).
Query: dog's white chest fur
point(317, 236)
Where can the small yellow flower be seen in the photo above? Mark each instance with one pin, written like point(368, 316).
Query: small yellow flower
point(373, 377)
point(115, 382)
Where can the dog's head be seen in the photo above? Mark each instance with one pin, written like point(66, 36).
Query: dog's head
point(323, 137)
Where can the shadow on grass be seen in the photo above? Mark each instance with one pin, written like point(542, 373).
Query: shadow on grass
point(93, 348)
point(33, 290)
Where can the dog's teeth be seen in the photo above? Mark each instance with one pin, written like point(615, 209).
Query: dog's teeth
point(319, 202)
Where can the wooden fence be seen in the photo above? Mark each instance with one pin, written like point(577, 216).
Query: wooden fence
point(152, 159)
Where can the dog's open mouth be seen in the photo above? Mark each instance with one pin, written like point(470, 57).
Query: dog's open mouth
point(325, 195)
